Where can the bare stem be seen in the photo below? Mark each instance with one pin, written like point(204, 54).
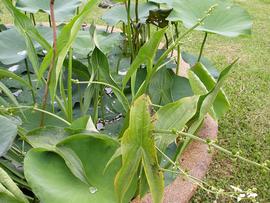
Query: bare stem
point(211, 144)
point(45, 96)
point(30, 81)
point(202, 46)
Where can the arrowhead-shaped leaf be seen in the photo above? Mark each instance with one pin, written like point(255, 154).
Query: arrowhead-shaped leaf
point(174, 116)
point(138, 147)
point(202, 82)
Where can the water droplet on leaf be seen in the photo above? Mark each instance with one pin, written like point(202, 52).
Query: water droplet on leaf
point(22, 53)
point(92, 190)
point(122, 72)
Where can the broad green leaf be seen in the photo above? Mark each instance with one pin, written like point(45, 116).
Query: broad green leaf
point(180, 88)
point(25, 26)
point(119, 13)
point(9, 94)
point(193, 59)
point(8, 133)
point(138, 146)
point(226, 19)
point(32, 120)
point(6, 196)
point(9, 191)
point(8, 74)
point(202, 82)
point(146, 55)
point(83, 124)
point(13, 47)
point(48, 138)
point(79, 69)
point(64, 9)
point(14, 44)
point(204, 106)
point(174, 116)
point(106, 42)
point(160, 87)
point(100, 62)
point(21, 21)
point(84, 43)
point(166, 87)
point(53, 182)
point(64, 42)
point(208, 100)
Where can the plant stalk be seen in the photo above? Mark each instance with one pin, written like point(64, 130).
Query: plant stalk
point(30, 81)
point(129, 32)
point(211, 144)
point(137, 10)
point(202, 46)
point(45, 96)
point(33, 18)
point(178, 40)
point(69, 87)
point(178, 51)
point(49, 19)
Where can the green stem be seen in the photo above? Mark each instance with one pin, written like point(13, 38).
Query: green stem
point(69, 86)
point(137, 10)
point(123, 97)
point(129, 30)
point(178, 51)
point(46, 91)
point(194, 137)
point(49, 19)
point(202, 46)
point(33, 18)
point(30, 81)
point(167, 40)
point(39, 110)
point(96, 101)
point(178, 40)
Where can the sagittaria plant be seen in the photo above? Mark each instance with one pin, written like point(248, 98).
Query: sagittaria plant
point(91, 115)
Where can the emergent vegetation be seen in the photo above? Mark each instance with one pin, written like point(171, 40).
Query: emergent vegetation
point(93, 115)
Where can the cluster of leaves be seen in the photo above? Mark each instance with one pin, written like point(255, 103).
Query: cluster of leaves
point(110, 96)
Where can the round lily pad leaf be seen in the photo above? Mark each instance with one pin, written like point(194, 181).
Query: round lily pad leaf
point(8, 134)
point(119, 14)
point(13, 47)
point(84, 43)
point(52, 181)
point(64, 9)
point(226, 19)
point(13, 44)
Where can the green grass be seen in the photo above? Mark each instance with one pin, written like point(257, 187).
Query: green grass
point(246, 127)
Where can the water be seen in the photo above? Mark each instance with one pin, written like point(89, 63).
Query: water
point(93, 190)
point(122, 72)
point(13, 68)
point(22, 53)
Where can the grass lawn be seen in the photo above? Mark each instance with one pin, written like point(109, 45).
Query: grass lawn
point(246, 127)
